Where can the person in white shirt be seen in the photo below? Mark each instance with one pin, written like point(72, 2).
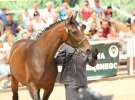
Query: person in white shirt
point(48, 14)
point(36, 25)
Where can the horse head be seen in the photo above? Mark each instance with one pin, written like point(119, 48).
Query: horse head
point(74, 36)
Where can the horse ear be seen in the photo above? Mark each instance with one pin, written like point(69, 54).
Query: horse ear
point(71, 18)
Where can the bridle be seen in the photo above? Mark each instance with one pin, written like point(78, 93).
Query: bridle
point(69, 34)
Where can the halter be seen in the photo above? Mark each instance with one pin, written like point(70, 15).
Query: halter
point(80, 42)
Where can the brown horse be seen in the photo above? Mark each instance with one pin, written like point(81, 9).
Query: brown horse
point(32, 61)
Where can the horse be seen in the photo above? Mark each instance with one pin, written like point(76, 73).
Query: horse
point(32, 61)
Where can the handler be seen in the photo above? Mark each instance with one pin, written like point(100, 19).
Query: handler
point(73, 74)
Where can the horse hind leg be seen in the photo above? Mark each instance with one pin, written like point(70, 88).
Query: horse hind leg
point(34, 92)
point(14, 86)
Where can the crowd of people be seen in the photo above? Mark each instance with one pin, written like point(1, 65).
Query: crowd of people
point(97, 24)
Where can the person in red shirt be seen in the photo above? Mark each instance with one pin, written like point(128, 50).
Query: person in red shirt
point(86, 11)
point(107, 30)
point(108, 12)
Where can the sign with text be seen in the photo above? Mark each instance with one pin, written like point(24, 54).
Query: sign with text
point(107, 62)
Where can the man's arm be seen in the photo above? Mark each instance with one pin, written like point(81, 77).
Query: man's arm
point(60, 56)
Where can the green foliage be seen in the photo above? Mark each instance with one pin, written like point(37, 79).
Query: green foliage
point(126, 5)
point(25, 4)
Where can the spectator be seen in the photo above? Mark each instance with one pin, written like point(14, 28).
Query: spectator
point(130, 21)
point(3, 20)
point(86, 11)
point(106, 30)
point(11, 25)
point(92, 18)
point(26, 19)
point(1, 27)
point(20, 34)
point(108, 12)
point(65, 11)
point(93, 29)
point(98, 9)
point(36, 25)
point(33, 9)
point(133, 28)
point(48, 14)
point(3, 15)
point(73, 3)
point(4, 57)
point(83, 28)
point(91, 25)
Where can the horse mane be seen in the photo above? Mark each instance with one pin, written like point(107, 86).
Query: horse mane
point(48, 28)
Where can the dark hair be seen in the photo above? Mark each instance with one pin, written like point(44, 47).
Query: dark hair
point(36, 13)
point(109, 7)
point(87, 1)
point(83, 27)
point(105, 20)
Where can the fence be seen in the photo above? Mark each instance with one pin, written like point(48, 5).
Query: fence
point(130, 44)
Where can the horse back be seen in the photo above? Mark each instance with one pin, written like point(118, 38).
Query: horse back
point(25, 44)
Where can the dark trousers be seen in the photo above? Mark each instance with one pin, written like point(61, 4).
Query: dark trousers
point(71, 92)
point(80, 93)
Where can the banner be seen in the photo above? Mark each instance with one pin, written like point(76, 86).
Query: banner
point(107, 63)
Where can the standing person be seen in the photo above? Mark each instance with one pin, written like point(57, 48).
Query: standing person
point(130, 20)
point(108, 13)
point(5, 47)
point(65, 11)
point(99, 10)
point(35, 7)
point(1, 27)
point(36, 25)
point(3, 20)
point(11, 25)
point(48, 14)
point(3, 15)
point(86, 11)
point(73, 74)
point(26, 19)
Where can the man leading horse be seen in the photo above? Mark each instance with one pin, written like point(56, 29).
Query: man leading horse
point(73, 74)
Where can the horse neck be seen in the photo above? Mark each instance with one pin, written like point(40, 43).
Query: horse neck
point(49, 43)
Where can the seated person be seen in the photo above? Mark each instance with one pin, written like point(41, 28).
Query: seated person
point(106, 30)
point(4, 68)
point(93, 29)
point(108, 12)
point(5, 47)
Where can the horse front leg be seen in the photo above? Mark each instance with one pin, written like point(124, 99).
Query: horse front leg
point(34, 92)
point(47, 92)
point(14, 86)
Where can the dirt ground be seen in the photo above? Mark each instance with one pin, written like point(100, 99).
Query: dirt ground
point(121, 89)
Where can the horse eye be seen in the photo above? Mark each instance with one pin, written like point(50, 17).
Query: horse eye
point(74, 32)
